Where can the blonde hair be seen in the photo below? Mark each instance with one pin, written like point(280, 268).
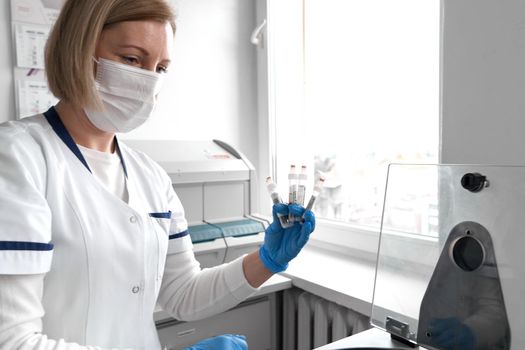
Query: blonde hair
point(71, 45)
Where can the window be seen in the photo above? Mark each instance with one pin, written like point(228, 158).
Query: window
point(356, 89)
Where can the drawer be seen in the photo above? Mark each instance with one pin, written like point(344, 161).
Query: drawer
point(251, 319)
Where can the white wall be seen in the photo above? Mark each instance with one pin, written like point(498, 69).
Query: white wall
point(211, 90)
point(483, 86)
point(212, 86)
point(7, 98)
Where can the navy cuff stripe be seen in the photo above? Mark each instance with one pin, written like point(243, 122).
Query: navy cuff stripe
point(165, 215)
point(13, 245)
point(179, 235)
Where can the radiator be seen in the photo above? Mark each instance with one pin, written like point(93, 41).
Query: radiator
point(310, 321)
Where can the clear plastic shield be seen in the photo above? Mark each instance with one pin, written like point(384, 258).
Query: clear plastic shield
point(449, 269)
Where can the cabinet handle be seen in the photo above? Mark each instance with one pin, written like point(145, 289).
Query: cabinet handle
point(186, 332)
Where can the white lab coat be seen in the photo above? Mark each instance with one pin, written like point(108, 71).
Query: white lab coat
point(104, 259)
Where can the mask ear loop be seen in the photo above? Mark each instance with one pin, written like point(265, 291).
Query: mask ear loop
point(96, 68)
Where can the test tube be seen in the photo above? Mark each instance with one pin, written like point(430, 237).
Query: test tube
point(292, 188)
point(272, 190)
point(301, 188)
point(317, 189)
point(292, 185)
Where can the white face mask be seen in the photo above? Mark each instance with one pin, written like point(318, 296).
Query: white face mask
point(128, 95)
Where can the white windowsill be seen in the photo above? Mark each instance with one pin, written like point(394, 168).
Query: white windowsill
point(335, 277)
point(343, 270)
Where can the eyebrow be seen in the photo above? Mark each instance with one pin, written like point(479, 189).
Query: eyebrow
point(144, 51)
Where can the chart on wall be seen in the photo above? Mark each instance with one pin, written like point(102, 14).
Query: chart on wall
point(31, 23)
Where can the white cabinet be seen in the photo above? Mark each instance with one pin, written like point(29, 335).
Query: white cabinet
point(252, 318)
point(237, 246)
point(258, 318)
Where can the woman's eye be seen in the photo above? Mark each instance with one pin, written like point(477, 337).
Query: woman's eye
point(162, 69)
point(130, 60)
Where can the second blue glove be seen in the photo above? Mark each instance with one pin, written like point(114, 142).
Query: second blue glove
point(222, 342)
point(450, 333)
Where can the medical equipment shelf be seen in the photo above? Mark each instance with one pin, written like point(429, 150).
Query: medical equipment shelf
point(240, 228)
point(204, 233)
point(211, 231)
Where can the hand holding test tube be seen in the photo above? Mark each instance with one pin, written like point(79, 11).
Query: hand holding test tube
point(285, 238)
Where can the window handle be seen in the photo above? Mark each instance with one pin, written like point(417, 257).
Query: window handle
point(257, 34)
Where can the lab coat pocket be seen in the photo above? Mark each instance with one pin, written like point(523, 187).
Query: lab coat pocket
point(161, 221)
point(161, 215)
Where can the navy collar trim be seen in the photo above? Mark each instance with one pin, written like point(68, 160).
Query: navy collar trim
point(119, 152)
point(54, 120)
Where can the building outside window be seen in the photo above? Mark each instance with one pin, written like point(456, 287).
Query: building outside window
point(358, 89)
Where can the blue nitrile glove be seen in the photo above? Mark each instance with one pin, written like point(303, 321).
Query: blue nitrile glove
point(450, 333)
point(222, 342)
point(283, 244)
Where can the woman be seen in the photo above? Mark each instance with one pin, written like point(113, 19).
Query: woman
point(92, 235)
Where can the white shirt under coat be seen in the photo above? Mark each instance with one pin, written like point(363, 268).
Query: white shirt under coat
point(107, 169)
point(82, 269)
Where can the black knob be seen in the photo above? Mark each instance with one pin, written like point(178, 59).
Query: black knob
point(474, 182)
